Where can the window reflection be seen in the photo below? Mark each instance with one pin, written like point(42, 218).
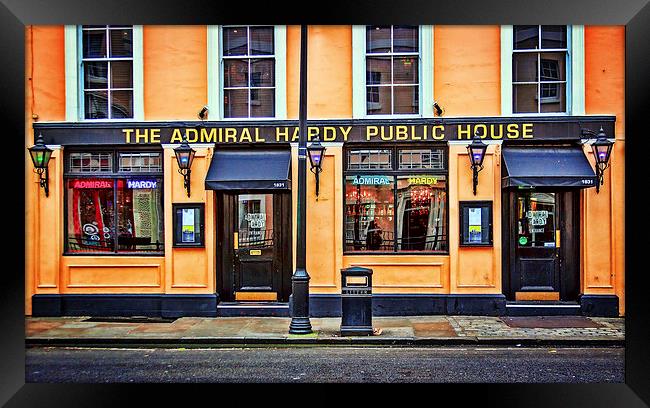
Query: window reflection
point(421, 208)
point(369, 213)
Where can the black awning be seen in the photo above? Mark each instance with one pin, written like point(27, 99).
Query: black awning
point(547, 167)
point(250, 169)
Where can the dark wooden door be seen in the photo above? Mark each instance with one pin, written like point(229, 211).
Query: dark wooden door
point(537, 241)
point(254, 244)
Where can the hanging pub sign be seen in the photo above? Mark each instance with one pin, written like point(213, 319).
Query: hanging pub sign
point(517, 129)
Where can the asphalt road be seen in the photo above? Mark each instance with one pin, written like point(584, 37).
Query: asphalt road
point(319, 364)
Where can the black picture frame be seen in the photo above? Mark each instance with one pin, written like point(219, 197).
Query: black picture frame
point(486, 215)
point(198, 226)
point(635, 15)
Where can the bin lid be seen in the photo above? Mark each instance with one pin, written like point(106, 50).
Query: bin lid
point(356, 270)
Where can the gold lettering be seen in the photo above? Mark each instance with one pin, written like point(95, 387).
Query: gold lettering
point(296, 133)
point(127, 135)
point(401, 133)
point(257, 136)
point(208, 137)
point(246, 134)
point(383, 133)
point(195, 138)
point(371, 131)
point(329, 134)
point(437, 136)
point(176, 136)
point(345, 133)
point(483, 134)
point(527, 132)
point(279, 133)
point(493, 135)
point(141, 136)
point(513, 131)
point(465, 132)
point(231, 135)
point(155, 135)
point(311, 131)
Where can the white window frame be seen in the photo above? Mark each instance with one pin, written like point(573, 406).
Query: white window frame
point(425, 74)
point(215, 74)
point(575, 75)
point(74, 98)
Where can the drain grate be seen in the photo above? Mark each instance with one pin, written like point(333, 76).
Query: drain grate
point(550, 322)
point(131, 319)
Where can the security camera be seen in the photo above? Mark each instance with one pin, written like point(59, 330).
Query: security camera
point(439, 110)
point(204, 113)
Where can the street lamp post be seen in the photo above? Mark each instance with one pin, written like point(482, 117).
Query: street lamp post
point(40, 155)
point(476, 151)
point(300, 323)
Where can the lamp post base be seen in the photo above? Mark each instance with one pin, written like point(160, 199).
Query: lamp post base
point(300, 325)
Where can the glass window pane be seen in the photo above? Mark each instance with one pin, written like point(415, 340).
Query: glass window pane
point(405, 38)
point(94, 43)
point(524, 67)
point(369, 213)
point(262, 72)
point(262, 103)
point(235, 73)
point(553, 97)
point(524, 98)
point(121, 104)
point(553, 66)
point(255, 220)
point(378, 70)
point(377, 39)
point(90, 215)
point(421, 207)
point(422, 159)
point(121, 43)
point(140, 215)
point(536, 219)
point(369, 159)
point(378, 100)
point(95, 75)
point(187, 230)
point(406, 99)
point(235, 41)
point(121, 74)
point(140, 162)
point(526, 37)
point(90, 163)
point(96, 105)
point(261, 40)
point(554, 36)
point(235, 103)
point(405, 70)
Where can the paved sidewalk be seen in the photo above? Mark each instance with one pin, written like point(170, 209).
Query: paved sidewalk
point(415, 330)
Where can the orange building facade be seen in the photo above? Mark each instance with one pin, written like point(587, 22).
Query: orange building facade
point(396, 107)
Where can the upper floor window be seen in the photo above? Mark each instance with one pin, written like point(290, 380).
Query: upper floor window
point(107, 72)
point(249, 69)
point(392, 70)
point(539, 69)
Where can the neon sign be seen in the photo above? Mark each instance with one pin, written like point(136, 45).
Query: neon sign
point(371, 180)
point(135, 184)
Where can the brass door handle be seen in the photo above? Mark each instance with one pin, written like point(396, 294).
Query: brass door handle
point(557, 238)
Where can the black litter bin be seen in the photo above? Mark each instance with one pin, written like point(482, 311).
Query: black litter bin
point(356, 301)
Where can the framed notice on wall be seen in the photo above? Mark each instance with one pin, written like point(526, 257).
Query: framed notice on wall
point(188, 225)
point(476, 223)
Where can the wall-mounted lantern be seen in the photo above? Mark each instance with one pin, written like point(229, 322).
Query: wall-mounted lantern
point(184, 157)
point(476, 151)
point(316, 152)
point(602, 149)
point(40, 155)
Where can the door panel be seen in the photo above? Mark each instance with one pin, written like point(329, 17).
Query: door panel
point(537, 225)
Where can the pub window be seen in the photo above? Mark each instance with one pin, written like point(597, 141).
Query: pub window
point(113, 208)
point(399, 205)
point(248, 61)
point(539, 69)
point(107, 71)
point(392, 70)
